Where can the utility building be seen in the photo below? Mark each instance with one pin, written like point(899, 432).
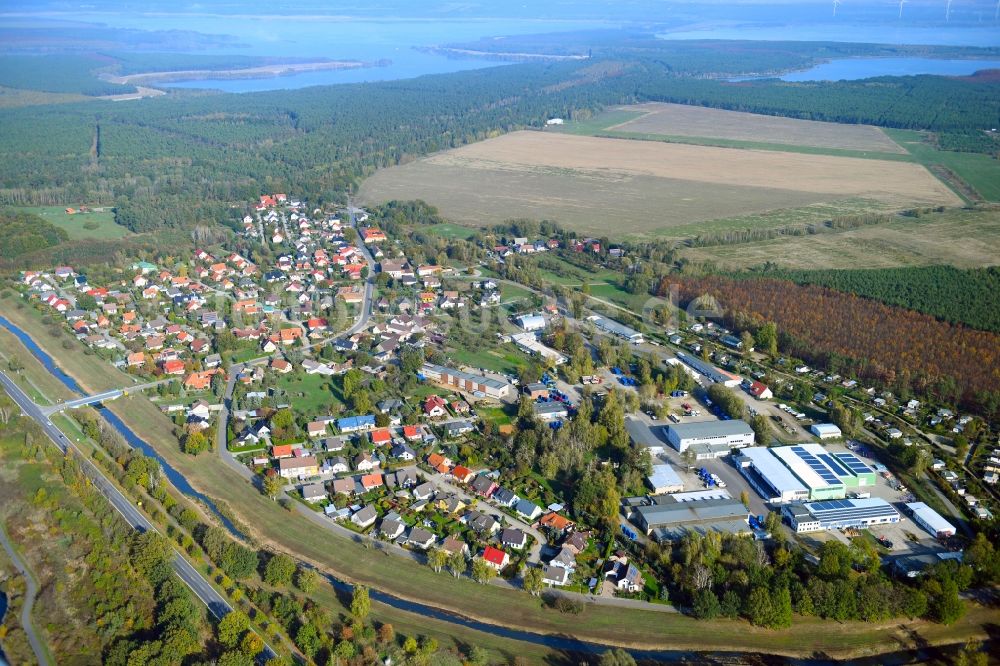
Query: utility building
point(730, 434)
point(838, 514)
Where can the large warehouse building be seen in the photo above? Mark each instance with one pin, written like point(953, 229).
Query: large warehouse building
point(769, 476)
point(717, 375)
point(731, 434)
point(930, 520)
point(804, 472)
point(668, 518)
point(838, 514)
point(466, 381)
point(614, 328)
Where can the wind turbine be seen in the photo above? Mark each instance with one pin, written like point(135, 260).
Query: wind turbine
point(947, 11)
point(836, 3)
point(996, 12)
point(901, 3)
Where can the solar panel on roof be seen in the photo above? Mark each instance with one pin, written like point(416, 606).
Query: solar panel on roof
point(822, 470)
point(854, 463)
point(834, 464)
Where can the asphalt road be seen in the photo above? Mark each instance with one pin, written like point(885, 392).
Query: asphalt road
point(29, 600)
point(216, 603)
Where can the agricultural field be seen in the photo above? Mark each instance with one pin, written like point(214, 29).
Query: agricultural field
point(961, 238)
point(98, 223)
point(679, 120)
point(643, 188)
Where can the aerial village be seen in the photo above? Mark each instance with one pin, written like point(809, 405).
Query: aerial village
point(419, 400)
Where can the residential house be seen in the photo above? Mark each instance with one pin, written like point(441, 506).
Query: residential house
point(336, 465)
point(364, 462)
point(462, 474)
point(495, 557)
point(362, 423)
point(458, 428)
point(314, 492)
point(391, 528)
point(483, 486)
point(316, 429)
point(434, 407)
point(424, 491)
point(505, 497)
point(344, 486)
point(453, 545)
point(556, 523)
point(555, 576)
point(527, 509)
point(365, 518)
point(291, 468)
point(511, 537)
point(625, 577)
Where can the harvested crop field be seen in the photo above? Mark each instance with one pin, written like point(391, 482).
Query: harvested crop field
point(640, 188)
point(695, 121)
point(966, 239)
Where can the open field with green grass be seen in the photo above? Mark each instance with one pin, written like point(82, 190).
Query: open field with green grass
point(962, 238)
point(275, 527)
point(679, 120)
point(981, 172)
point(311, 394)
point(98, 224)
point(505, 359)
point(647, 188)
point(450, 231)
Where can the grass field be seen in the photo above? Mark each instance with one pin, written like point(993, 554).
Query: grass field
point(311, 394)
point(102, 221)
point(962, 238)
point(450, 231)
point(982, 172)
point(644, 188)
point(275, 527)
point(692, 121)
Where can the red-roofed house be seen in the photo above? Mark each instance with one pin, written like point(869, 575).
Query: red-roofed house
point(434, 406)
point(496, 558)
point(174, 367)
point(381, 437)
point(462, 474)
point(370, 481)
point(760, 391)
point(282, 451)
point(373, 235)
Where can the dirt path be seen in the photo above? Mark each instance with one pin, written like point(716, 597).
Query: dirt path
point(29, 600)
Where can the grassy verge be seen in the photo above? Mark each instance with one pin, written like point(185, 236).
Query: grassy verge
point(92, 373)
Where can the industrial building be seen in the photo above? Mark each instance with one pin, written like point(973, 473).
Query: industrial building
point(839, 514)
point(930, 520)
point(530, 343)
point(715, 374)
point(530, 322)
point(825, 431)
point(466, 381)
point(804, 472)
point(665, 518)
point(664, 479)
point(614, 328)
point(769, 477)
point(725, 434)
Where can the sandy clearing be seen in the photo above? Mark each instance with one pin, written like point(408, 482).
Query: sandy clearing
point(696, 121)
point(897, 182)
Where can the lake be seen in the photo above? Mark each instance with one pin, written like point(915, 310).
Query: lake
point(339, 38)
point(849, 69)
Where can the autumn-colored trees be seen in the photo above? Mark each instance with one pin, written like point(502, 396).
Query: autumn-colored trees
point(855, 335)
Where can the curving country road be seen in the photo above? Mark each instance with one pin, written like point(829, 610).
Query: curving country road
point(29, 600)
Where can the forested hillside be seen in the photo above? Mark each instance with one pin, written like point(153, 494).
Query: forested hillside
point(970, 297)
point(23, 233)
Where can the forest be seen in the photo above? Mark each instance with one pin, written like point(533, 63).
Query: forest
point(57, 73)
point(970, 297)
point(864, 338)
point(25, 232)
point(157, 159)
